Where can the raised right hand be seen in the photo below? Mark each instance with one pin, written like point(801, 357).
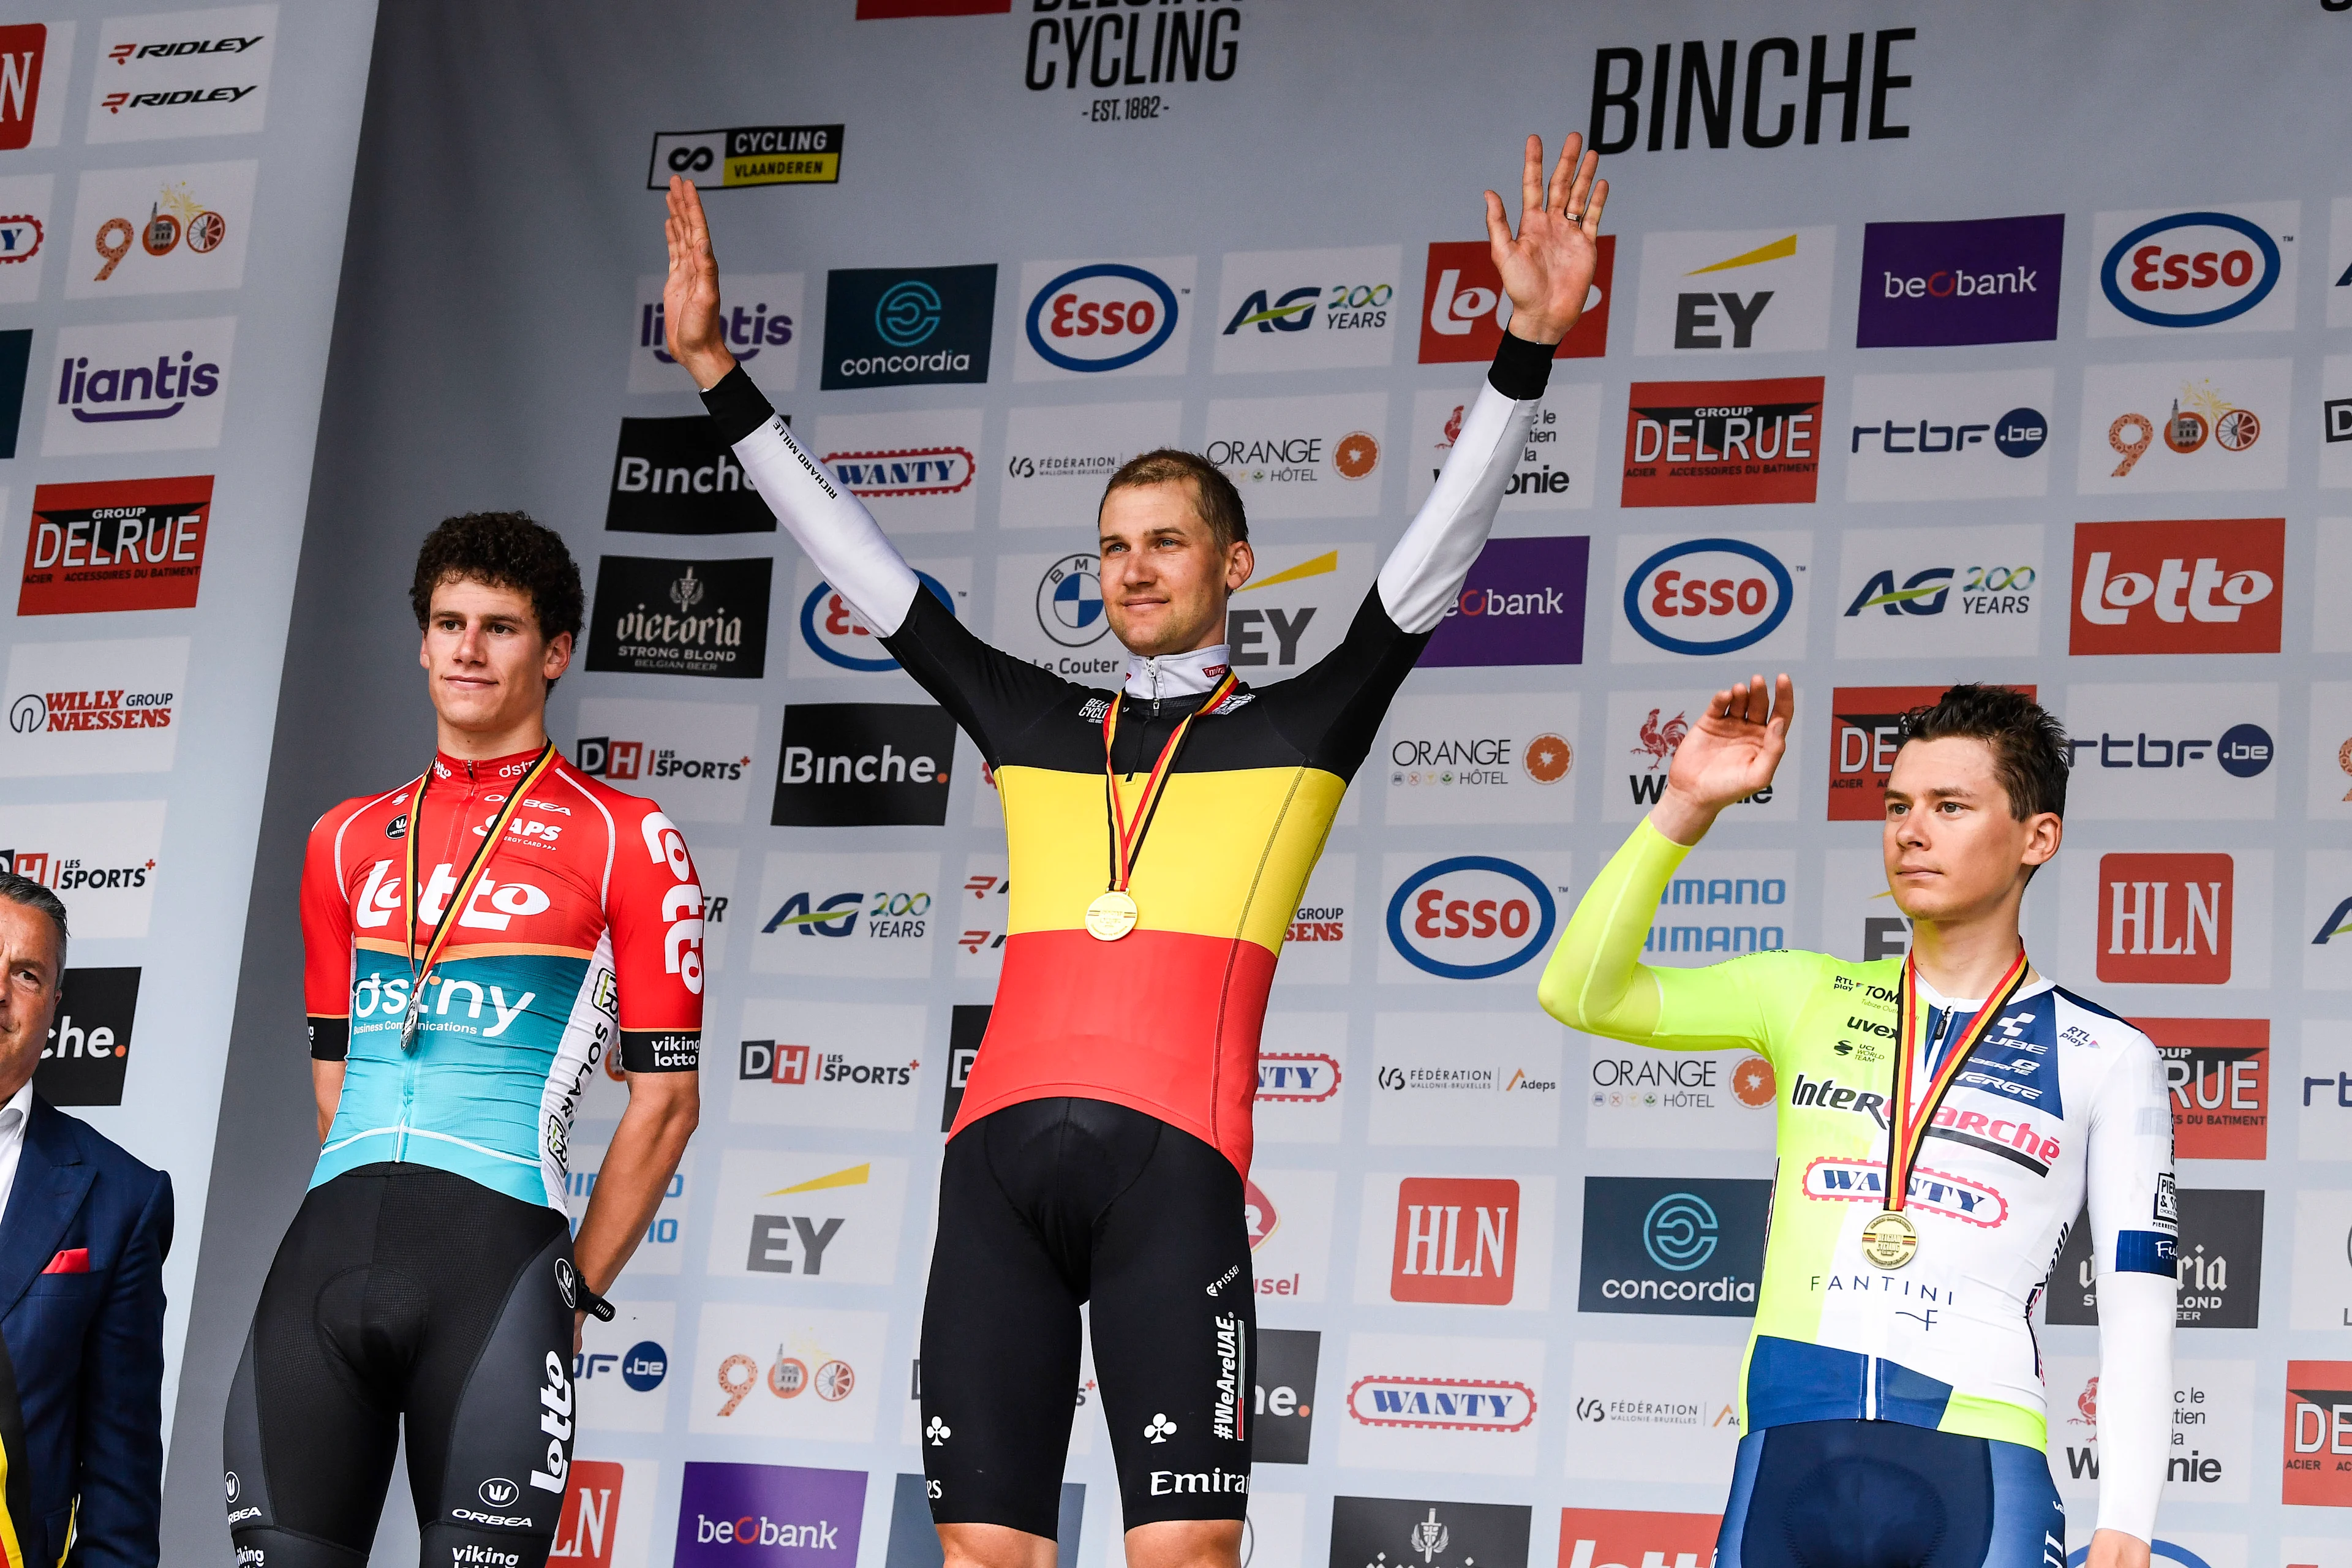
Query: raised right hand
point(1731, 754)
point(691, 321)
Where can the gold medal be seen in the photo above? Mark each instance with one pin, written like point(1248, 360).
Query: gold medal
point(1888, 1241)
point(1111, 916)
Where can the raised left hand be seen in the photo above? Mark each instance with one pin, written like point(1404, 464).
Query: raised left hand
point(1547, 268)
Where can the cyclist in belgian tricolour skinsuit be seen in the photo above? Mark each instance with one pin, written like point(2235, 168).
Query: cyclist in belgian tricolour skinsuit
point(1891, 1399)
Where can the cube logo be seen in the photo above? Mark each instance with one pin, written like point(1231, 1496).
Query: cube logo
point(1622, 1538)
point(1457, 1241)
point(2165, 920)
point(2317, 1448)
point(1866, 732)
point(2206, 585)
point(2217, 1071)
point(1722, 443)
point(1465, 308)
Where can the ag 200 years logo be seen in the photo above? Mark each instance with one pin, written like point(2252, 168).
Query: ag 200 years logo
point(1471, 918)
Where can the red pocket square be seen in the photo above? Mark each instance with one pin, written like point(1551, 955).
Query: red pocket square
point(72, 1261)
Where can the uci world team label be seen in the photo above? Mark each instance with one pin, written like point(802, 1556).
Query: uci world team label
point(748, 155)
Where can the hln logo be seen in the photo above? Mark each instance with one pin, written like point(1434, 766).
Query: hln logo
point(1457, 1241)
point(2165, 920)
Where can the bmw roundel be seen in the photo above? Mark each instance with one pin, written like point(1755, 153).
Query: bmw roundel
point(1471, 918)
point(837, 633)
point(1709, 596)
point(1070, 601)
point(1103, 315)
point(2190, 269)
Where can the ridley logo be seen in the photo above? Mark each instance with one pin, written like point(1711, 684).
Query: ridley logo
point(1443, 1403)
point(2201, 586)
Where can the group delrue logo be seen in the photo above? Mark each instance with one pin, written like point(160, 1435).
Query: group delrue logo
point(118, 544)
point(1722, 443)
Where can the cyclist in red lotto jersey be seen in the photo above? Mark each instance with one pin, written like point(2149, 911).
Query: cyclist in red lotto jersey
point(431, 1272)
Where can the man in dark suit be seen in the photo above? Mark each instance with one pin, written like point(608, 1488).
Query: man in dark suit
point(84, 1228)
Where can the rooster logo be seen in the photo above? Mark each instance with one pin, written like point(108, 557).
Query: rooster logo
point(1659, 741)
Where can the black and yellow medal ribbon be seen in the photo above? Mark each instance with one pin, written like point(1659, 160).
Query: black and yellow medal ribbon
point(1113, 913)
point(446, 926)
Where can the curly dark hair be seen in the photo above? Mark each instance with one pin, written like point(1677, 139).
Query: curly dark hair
point(2030, 754)
point(1214, 500)
point(502, 550)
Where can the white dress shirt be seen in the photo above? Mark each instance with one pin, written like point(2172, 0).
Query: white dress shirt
point(12, 1139)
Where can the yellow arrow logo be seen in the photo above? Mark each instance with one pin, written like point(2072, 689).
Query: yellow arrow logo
point(852, 1177)
point(1326, 562)
point(1780, 249)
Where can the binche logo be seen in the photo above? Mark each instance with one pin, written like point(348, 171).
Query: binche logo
point(1443, 1403)
point(1471, 918)
point(2165, 918)
point(1468, 309)
point(2191, 270)
point(1709, 596)
point(2198, 587)
point(1101, 317)
point(1457, 1241)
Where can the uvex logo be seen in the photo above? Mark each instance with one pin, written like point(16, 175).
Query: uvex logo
point(2201, 586)
point(1457, 1240)
point(2165, 920)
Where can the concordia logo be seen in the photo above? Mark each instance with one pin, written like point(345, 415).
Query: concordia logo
point(1101, 317)
point(2191, 270)
point(1443, 1403)
point(1471, 918)
point(1709, 596)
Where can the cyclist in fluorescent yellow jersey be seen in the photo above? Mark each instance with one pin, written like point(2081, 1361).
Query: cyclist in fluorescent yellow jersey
point(1891, 1399)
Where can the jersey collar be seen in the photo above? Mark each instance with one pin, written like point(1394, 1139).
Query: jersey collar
point(1941, 1003)
point(1176, 674)
point(447, 767)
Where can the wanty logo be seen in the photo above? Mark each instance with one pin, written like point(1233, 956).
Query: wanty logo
point(2204, 586)
point(2191, 270)
point(1933, 1192)
point(2165, 920)
point(909, 471)
point(112, 395)
point(1709, 596)
point(64, 712)
point(1296, 1077)
point(1722, 443)
point(1443, 1403)
point(837, 632)
point(1457, 1241)
point(20, 233)
point(2208, 413)
point(1471, 918)
point(1101, 317)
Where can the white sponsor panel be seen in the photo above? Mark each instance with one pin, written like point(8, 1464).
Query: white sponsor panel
point(1637, 1414)
point(2081, 939)
point(695, 758)
point(2225, 267)
point(94, 707)
point(2177, 751)
point(1057, 459)
point(183, 73)
point(2327, 762)
point(138, 386)
point(2312, 1551)
point(2212, 1446)
point(2325, 928)
point(1637, 1098)
point(1916, 592)
point(770, 1372)
point(662, 1248)
point(99, 857)
point(1488, 919)
point(2336, 412)
point(764, 325)
point(1973, 436)
point(2340, 266)
point(916, 472)
point(2321, 1295)
point(1556, 467)
point(1721, 903)
point(830, 637)
point(1308, 309)
point(2199, 425)
point(1296, 607)
point(1729, 289)
point(826, 1064)
point(28, 234)
point(1081, 319)
point(1633, 754)
point(167, 230)
point(1477, 1080)
point(43, 82)
point(1472, 758)
point(1320, 948)
point(715, 869)
point(823, 1219)
point(1303, 456)
point(1451, 1402)
point(865, 915)
point(978, 914)
point(1049, 610)
point(2320, 1094)
point(1275, 1533)
point(1303, 1077)
point(1703, 594)
point(1501, 1253)
point(1290, 1233)
point(626, 1369)
point(2332, 585)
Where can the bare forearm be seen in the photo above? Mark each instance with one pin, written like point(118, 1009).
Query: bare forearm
point(643, 1156)
point(327, 1089)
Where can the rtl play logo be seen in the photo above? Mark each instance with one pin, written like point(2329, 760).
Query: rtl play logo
point(2205, 586)
point(1620, 1538)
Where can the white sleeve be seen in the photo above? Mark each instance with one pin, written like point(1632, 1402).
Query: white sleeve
point(833, 525)
point(1423, 573)
point(2136, 1318)
point(2135, 1223)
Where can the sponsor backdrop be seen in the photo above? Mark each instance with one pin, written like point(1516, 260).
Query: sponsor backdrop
point(173, 189)
point(1897, 374)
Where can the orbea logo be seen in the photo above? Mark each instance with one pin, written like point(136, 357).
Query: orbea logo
point(1709, 596)
point(2165, 920)
point(1471, 918)
point(2191, 270)
point(2202, 586)
point(1443, 1403)
point(837, 633)
point(1101, 317)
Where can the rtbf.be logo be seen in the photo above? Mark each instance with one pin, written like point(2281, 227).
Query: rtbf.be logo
point(1471, 918)
point(2208, 585)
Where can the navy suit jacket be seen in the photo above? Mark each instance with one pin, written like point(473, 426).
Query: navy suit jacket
point(87, 1345)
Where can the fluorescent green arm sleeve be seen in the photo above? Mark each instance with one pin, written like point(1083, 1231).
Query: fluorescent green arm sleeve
point(1596, 983)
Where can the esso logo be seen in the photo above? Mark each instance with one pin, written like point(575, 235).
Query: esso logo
point(2193, 269)
point(837, 633)
point(1101, 317)
point(1709, 596)
point(1471, 918)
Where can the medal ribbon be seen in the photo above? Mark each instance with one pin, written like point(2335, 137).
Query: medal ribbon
point(1904, 1131)
point(1126, 834)
point(447, 925)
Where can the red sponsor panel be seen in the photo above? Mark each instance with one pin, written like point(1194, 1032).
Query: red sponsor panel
point(2218, 1073)
point(1463, 306)
point(2318, 1457)
point(120, 544)
point(1457, 1240)
point(2204, 585)
point(23, 50)
point(1865, 730)
point(591, 1508)
point(1722, 443)
point(2165, 920)
point(1623, 1537)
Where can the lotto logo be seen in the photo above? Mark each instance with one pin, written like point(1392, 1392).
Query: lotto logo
point(2198, 586)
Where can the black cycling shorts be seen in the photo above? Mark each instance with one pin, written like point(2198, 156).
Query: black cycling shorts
point(1882, 1494)
point(403, 1291)
point(1050, 1203)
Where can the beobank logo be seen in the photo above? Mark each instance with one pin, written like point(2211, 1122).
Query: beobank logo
point(1709, 596)
point(1465, 310)
point(1471, 918)
point(2190, 269)
point(2206, 585)
point(1103, 315)
point(1622, 1537)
